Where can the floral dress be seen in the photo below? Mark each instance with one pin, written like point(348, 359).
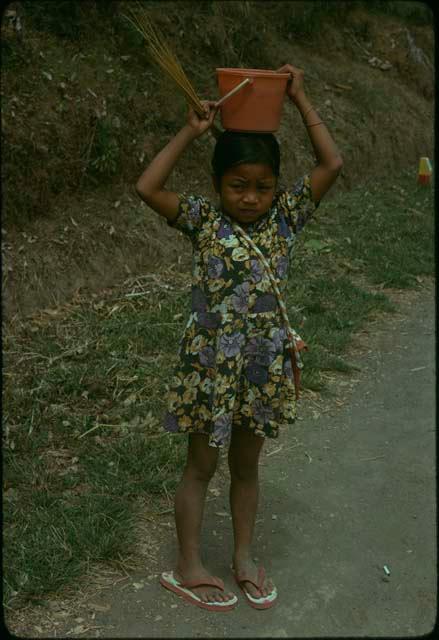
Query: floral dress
point(234, 369)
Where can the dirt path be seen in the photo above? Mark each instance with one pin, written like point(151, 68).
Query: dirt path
point(349, 491)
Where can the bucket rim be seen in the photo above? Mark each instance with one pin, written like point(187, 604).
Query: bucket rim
point(268, 73)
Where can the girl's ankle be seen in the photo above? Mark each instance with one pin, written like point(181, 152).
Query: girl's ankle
point(189, 565)
point(242, 556)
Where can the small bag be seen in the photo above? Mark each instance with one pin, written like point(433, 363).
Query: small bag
point(296, 343)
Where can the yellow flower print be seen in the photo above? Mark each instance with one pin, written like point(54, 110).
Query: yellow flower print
point(246, 410)
point(204, 413)
point(231, 241)
point(206, 385)
point(216, 285)
point(189, 395)
point(240, 254)
point(276, 365)
point(270, 389)
point(173, 399)
point(222, 384)
point(176, 380)
point(197, 344)
point(192, 380)
point(221, 308)
point(185, 421)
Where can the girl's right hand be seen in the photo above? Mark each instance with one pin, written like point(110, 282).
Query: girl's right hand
point(198, 123)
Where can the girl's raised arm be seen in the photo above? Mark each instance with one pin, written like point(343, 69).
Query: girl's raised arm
point(328, 156)
point(150, 185)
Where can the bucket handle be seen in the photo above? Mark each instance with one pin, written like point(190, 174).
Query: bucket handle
point(231, 93)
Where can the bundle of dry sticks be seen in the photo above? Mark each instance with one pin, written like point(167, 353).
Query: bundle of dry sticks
point(163, 56)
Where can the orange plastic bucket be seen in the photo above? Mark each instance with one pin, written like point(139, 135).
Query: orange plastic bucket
point(257, 107)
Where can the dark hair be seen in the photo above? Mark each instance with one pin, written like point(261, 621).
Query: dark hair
point(235, 147)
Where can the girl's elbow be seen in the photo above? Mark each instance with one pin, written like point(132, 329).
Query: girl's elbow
point(141, 191)
point(337, 164)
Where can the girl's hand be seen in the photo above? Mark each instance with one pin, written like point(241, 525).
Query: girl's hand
point(295, 88)
point(200, 124)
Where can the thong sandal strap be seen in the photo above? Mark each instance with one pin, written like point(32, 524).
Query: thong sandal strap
point(260, 579)
point(209, 581)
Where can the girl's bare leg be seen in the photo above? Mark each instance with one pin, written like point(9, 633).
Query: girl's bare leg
point(244, 492)
point(189, 506)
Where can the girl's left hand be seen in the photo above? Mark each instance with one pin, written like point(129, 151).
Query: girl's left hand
point(295, 86)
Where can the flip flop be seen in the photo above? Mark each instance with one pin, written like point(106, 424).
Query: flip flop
point(183, 589)
point(264, 602)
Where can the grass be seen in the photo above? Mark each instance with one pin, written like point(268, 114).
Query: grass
point(83, 399)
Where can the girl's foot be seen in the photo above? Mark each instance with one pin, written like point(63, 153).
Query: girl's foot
point(204, 592)
point(245, 566)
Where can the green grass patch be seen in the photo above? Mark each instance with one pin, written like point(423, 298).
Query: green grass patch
point(84, 398)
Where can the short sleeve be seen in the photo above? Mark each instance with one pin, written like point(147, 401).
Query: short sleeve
point(193, 212)
point(296, 204)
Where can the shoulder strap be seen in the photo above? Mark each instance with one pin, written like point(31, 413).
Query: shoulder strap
point(291, 333)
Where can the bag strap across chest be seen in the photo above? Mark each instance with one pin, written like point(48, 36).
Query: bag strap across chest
point(295, 342)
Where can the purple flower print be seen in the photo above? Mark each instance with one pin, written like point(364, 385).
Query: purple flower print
point(209, 320)
point(260, 351)
point(288, 367)
point(222, 428)
point(282, 267)
point(194, 210)
point(171, 423)
point(199, 300)
point(231, 344)
point(266, 302)
point(262, 412)
point(283, 228)
point(298, 187)
point(215, 267)
point(257, 374)
point(240, 298)
point(224, 230)
point(257, 271)
point(207, 356)
point(278, 339)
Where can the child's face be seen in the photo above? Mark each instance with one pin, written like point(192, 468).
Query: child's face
point(247, 191)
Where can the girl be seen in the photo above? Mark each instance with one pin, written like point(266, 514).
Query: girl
point(234, 384)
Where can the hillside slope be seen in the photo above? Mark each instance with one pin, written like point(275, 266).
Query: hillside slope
point(84, 110)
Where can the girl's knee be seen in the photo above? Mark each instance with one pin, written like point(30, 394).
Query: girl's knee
point(202, 459)
point(200, 472)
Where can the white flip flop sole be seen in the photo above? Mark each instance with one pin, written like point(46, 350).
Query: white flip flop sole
point(168, 581)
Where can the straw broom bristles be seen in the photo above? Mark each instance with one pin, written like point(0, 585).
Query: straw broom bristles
point(161, 53)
